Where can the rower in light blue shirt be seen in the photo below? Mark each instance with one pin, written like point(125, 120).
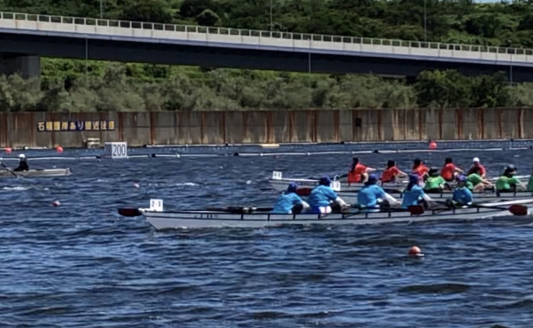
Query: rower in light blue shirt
point(322, 196)
point(371, 194)
point(462, 195)
point(413, 194)
point(288, 200)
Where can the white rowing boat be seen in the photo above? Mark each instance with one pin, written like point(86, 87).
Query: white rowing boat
point(279, 183)
point(38, 173)
point(162, 220)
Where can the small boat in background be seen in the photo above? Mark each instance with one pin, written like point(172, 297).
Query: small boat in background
point(37, 173)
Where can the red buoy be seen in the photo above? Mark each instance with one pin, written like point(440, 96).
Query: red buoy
point(432, 145)
point(7, 150)
point(59, 149)
point(415, 251)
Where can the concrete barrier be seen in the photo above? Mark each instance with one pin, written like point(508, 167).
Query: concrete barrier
point(37, 129)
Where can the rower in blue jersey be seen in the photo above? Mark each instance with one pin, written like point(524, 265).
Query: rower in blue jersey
point(371, 194)
point(323, 196)
point(462, 195)
point(289, 202)
point(414, 194)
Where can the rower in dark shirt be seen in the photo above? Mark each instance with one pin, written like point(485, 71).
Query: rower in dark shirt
point(23, 164)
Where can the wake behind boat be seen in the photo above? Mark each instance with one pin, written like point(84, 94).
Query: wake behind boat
point(48, 173)
point(259, 218)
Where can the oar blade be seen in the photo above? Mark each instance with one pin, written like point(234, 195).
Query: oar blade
point(129, 212)
point(416, 209)
point(518, 209)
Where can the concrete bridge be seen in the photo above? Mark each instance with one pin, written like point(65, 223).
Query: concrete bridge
point(26, 37)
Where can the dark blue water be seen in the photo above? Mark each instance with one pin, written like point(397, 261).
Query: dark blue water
point(82, 265)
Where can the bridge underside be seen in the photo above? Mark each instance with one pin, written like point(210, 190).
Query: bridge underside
point(20, 52)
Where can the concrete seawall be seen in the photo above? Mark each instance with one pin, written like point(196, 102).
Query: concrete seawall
point(38, 129)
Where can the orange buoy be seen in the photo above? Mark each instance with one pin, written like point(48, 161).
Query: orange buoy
point(415, 251)
point(59, 149)
point(56, 203)
point(432, 145)
point(7, 150)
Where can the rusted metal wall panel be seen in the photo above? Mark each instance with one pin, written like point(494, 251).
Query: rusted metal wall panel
point(137, 128)
point(510, 124)
point(468, 123)
point(492, 128)
point(303, 126)
point(21, 129)
point(326, 126)
point(345, 125)
point(214, 127)
point(432, 122)
point(281, 127)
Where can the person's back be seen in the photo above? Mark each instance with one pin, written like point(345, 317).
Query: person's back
point(473, 180)
point(285, 203)
point(462, 195)
point(434, 184)
point(369, 194)
point(412, 197)
point(23, 164)
point(508, 180)
point(321, 196)
point(287, 200)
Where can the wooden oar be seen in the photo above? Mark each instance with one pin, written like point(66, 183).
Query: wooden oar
point(515, 209)
point(10, 171)
point(129, 211)
point(239, 209)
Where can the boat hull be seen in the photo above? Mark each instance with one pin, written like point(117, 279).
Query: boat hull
point(210, 219)
point(44, 173)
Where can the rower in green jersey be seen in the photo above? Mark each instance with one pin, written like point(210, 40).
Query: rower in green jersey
point(508, 182)
point(434, 183)
point(475, 182)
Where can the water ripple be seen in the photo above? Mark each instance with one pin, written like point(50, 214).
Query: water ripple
point(82, 265)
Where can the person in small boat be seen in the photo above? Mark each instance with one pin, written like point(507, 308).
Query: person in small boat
point(475, 182)
point(23, 164)
point(391, 173)
point(414, 194)
point(323, 196)
point(434, 183)
point(508, 182)
point(289, 202)
point(475, 166)
point(372, 196)
point(462, 196)
point(358, 172)
point(449, 171)
point(420, 169)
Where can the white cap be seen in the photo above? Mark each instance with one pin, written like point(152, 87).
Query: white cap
point(475, 160)
point(22, 156)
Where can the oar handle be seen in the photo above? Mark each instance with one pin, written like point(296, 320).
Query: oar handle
point(10, 170)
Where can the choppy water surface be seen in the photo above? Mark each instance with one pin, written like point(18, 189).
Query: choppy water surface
point(81, 265)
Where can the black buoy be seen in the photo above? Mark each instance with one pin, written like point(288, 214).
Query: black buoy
point(152, 155)
point(235, 154)
point(376, 151)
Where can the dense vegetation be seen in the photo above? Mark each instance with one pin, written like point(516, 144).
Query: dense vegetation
point(73, 86)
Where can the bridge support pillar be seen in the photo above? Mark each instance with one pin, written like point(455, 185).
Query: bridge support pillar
point(26, 65)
